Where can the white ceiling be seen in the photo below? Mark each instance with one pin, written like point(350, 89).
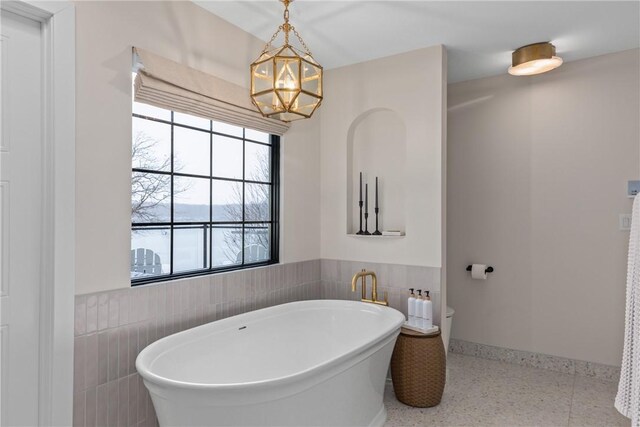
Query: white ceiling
point(479, 35)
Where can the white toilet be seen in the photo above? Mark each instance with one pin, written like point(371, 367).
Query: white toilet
point(446, 333)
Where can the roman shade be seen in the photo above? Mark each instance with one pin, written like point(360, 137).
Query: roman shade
point(167, 84)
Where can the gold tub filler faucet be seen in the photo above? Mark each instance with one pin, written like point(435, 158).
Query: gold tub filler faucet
point(374, 289)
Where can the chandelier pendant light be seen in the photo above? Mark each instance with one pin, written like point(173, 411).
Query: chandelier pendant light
point(534, 59)
point(286, 83)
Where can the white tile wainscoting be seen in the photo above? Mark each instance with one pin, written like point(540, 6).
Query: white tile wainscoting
point(112, 327)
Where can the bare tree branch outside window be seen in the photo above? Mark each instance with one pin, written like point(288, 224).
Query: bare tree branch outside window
point(149, 191)
point(256, 207)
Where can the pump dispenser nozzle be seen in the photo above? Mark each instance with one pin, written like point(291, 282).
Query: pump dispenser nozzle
point(411, 306)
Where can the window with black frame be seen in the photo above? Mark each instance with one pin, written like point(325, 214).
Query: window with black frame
point(204, 196)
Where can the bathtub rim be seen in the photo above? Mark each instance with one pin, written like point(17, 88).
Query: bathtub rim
point(297, 377)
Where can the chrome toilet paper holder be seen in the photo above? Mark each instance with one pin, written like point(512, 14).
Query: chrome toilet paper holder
point(487, 270)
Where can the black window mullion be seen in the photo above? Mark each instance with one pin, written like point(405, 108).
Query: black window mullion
point(171, 239)
point(191, 175)
point(194, 223)
point(258, 142)
point(141, 170)
point(275, 198)
point(211, 195)
point(153, 119)
point(244, 188)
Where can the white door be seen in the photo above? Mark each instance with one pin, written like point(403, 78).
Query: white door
point(20, 216)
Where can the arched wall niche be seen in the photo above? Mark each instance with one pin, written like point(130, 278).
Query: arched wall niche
point(376, 146)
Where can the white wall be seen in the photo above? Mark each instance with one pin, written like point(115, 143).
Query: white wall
point(412, 85)
point(300, 175)
point(183, 32)
point(537, 176)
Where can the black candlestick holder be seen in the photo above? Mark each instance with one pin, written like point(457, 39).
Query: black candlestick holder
point(360, 230)
point(377, 232)
point(366, 224)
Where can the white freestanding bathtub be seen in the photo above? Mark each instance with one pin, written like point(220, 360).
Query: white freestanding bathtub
point(308, 363)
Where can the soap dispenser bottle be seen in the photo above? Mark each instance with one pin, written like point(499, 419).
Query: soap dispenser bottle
point(419, 310)
point(411, 307)
point(427, 312)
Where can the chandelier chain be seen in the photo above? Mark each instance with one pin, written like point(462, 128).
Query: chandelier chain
point(269, 44)
point(304, 45)
point(286, 28)
point(285, 15)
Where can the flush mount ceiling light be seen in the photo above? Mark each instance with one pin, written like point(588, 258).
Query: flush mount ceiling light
point(286, 84)
point(533, 59)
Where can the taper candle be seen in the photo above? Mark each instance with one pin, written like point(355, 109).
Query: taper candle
point(360, 187)
point(376, 192)
point(366, 199)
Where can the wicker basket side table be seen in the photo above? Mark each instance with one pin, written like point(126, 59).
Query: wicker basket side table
point(418, 368)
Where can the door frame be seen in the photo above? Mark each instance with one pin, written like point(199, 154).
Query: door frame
point(57, 284)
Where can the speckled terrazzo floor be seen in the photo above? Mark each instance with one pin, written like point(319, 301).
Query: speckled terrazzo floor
point(482, 392)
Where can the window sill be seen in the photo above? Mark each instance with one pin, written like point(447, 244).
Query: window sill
point(175, 277)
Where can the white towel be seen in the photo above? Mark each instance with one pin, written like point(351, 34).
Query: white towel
point(628, 398)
